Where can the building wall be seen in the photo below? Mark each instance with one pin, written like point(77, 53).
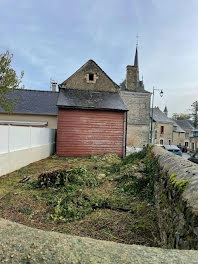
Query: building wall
point(193, 143)
point(51, 119)
point(79, 79)
point(138, 117)
point(85, 132)
point(137, 135)
point(178, 138)
point(166, 136)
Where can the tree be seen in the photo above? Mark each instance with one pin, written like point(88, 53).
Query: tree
point(180, 116)
point(194, 113)
point(9, 81)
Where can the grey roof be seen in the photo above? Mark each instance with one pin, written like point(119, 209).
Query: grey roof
point(159, 116)
point(177, 128)
point(185, 124)
point(34, 102)
point(73, 98)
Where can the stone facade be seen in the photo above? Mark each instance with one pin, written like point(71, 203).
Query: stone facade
point(179, 138)
point(137, 101)
point(137, 117)
point(165, 138)
point(99, 81)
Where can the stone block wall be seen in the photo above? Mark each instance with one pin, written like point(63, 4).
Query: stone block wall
point(137, 135)
point(176, 199)
point(138, 117)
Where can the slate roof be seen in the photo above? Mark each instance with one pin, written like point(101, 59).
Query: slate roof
point(34, 102)
point(159, 116)
point(177, 128)
point(185, 124)
point(85, 99)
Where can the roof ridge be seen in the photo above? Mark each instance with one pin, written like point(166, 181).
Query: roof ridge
point(31, 90)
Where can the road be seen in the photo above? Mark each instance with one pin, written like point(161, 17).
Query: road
point(185, 155)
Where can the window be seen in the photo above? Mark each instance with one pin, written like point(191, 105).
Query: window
point(161, 142)
point(169, 142)
point(193, 146)
point(186, 144)
point(162, 130)
point(91, 77)
point(186, 135)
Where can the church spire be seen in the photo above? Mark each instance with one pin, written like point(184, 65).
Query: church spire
point(136, 57)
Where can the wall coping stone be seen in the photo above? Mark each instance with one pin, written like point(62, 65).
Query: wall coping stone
point(22, 244)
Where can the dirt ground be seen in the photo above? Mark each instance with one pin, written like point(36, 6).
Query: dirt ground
point(124, 217)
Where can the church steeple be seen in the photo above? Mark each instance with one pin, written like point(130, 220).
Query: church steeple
point(136, 57)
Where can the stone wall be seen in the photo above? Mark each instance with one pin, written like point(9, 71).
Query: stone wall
point(101, 81)
point(138, 117)
point(176, 198)
point(22, 244)
point(137, 135)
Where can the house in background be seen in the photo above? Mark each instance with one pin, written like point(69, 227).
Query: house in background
point(33, 108)
point(188, 127)
point(165, 130)
point(194, 140)
point(137, 100)
point(91, 114)
point(162, 128)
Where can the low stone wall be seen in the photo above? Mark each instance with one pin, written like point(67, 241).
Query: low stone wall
point(176, 198)
point(22, 244)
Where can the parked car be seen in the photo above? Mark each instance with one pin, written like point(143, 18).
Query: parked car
point(174, 149)
point(194, 158)
point(182, 148)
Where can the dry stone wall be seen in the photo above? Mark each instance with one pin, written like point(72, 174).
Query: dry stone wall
point(176, 198)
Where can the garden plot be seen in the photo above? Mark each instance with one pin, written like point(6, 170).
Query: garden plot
point(102, 197)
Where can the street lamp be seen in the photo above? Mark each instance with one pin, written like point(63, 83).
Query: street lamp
point(161, 94)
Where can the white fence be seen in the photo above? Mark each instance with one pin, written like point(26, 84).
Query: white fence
point(20, 146)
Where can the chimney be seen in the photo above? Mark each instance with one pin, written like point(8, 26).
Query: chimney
point(53, 85)
point(132, 77)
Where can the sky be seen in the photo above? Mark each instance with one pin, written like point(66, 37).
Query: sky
point(53, 38)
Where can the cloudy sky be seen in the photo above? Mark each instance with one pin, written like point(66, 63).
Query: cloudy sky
point(53, 38)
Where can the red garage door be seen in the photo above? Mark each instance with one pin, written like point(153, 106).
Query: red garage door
point(85, 132)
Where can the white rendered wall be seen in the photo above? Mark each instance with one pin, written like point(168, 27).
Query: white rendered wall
point(20, 146)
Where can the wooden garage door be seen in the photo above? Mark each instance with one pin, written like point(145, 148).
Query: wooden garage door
point(85, 132)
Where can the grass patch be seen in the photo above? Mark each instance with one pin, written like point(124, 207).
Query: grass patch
point(102, 197)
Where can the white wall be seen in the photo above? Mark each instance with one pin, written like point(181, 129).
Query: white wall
point(20, 146)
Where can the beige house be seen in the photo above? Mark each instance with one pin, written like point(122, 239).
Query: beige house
point(33, 107)
point(188, 127)
point(165, 130)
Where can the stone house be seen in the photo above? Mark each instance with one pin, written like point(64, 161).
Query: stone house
point(162, 128)
point(137, 100)
point(165, 130)
point(188, 127)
